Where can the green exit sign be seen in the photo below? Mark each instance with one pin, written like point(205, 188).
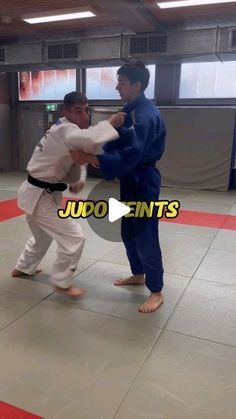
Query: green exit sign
point(51, 107)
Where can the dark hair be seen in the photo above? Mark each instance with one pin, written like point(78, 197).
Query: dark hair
point(74, 97)
point(135, 71)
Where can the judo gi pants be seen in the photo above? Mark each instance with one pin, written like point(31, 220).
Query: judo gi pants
point(141, 235)
point(143, 250)
point(45, 225)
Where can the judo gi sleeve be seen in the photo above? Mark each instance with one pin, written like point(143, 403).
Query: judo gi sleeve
point(117, 161)
point(83, 175)
point(74, 174)
point(89, 139)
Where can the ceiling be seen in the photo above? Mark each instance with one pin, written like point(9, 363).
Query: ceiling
point(113, 17)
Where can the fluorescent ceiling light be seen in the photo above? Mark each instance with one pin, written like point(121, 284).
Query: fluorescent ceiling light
point(186, 3)
point(56, 18)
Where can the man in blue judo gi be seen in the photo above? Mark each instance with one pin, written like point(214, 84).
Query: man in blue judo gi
point(133, 160)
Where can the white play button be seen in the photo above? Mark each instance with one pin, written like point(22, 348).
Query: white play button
point(116, 210)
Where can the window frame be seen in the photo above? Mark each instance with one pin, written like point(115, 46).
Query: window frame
point(200, 101)
point(60, 101)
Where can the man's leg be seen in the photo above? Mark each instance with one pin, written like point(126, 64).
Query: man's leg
point(148, 248)
point(69, 249)
point(128, 237)
point(35, 249)
point(70, 242)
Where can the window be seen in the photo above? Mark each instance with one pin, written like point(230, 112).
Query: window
point(46, 85)
point(208, 80)
point(101, 83)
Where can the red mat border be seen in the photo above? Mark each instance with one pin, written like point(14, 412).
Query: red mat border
point(9, 210)
point(8, 411)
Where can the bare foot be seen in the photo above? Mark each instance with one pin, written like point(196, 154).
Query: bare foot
point(132, 280)
point(71, 291)
point(152, 303)
point(17, 274)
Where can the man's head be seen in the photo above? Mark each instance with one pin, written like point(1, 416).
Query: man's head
point(76, 109)
point(133, 78)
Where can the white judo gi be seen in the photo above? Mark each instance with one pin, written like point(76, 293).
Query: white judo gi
point(51, 162)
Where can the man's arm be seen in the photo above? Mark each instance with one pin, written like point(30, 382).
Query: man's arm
point(73, 175)
point(89, 139)
point(79, 185)
point(79, 157)
point(118, 161)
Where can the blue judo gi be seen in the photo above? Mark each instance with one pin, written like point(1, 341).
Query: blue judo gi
point(132, 159)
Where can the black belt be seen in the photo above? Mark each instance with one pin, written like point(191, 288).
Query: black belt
point(51, 187)
point(144, 165)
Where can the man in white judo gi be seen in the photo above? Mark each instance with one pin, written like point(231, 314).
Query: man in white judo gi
point(49, 169)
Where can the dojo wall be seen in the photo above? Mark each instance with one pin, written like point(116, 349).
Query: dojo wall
point(199, 148)
point(5, 124)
